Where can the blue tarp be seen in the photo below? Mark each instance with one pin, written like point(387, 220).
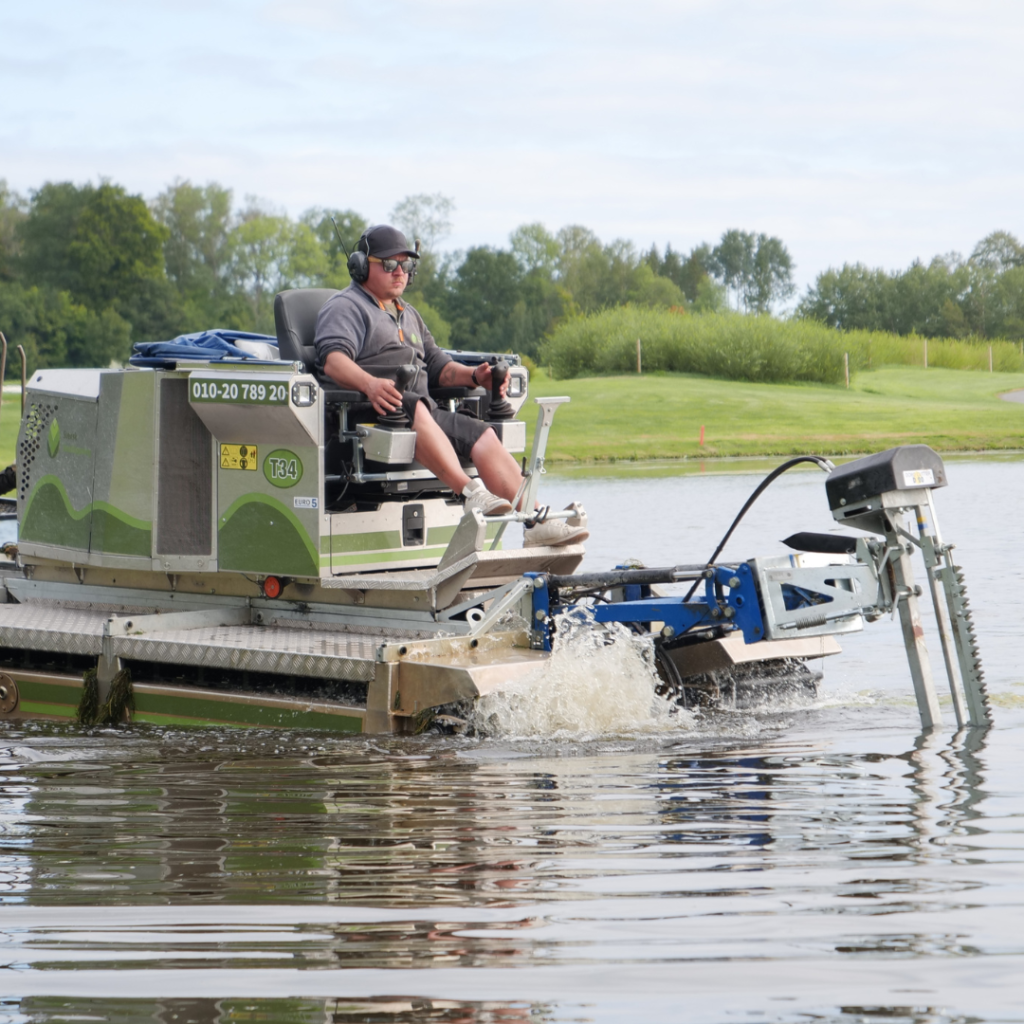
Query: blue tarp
point(210, 345)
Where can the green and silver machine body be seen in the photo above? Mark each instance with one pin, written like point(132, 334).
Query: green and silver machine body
point(209, 469)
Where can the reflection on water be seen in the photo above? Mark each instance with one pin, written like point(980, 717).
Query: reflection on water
point(819, 863)
point(382, 1010)
point(148, 818)
point(373, 858)
point(399, 1010)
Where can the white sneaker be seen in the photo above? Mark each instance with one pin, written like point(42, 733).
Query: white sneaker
point(477, 496)
point(557, 532)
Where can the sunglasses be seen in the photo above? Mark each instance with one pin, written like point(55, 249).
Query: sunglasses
point(391, 265)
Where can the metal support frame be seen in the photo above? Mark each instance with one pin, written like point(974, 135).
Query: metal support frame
point(535, 467)
point(527, 493)
point(956, 628)
point(501, 600)
point(899, 593)
point(905, 595)
point(843, 592)
point(952, 615)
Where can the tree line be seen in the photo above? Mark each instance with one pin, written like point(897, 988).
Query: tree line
point(86, 270)
point(952, 297)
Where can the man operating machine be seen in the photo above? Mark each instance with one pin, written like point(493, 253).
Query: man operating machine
point(367, 324)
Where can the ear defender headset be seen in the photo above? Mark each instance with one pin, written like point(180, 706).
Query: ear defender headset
point(359, 261)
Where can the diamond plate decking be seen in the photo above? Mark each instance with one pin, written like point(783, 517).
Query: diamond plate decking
point(321, 654)
point(283, 650)
point(41, 627)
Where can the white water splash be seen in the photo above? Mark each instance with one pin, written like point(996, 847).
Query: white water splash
point(600, 681)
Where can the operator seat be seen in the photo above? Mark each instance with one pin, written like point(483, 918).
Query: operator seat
point(295, 313)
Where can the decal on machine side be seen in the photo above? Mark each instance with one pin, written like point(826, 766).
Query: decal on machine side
point(249, 393)
point(238, 456)
point(282, 468)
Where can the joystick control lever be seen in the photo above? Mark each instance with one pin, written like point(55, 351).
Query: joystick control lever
point(397, 419)
point(500, 409)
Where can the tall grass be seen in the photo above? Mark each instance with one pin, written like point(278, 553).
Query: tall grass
point(870, 349)
point(753, 348)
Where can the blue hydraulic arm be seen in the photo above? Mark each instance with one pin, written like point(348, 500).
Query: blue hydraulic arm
point(730, 599)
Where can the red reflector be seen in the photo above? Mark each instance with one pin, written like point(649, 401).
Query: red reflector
point(271, 586)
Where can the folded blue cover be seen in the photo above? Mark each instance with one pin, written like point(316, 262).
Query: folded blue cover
point(212, 345)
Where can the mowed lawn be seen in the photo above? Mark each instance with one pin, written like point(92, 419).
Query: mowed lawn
point(660, 416)
point(10, 421)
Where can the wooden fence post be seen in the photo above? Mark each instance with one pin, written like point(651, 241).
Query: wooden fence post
point(846, 367)
point(990, 359)
point(638, 355)
point(926, 353)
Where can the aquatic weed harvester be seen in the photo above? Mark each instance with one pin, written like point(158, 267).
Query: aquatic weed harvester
point(213, 536)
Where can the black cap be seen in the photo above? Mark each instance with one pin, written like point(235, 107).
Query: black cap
point(383, 241)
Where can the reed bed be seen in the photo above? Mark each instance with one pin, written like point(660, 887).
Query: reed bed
point(731, 346)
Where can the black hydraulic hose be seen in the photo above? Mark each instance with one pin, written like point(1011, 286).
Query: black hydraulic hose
point(821, 462)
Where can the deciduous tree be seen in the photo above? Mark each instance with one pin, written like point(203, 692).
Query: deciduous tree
point(197, 251)
point(13, 210)
point(105, 248)
point(426, 217)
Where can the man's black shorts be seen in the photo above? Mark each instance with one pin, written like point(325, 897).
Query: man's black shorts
point(463, 431)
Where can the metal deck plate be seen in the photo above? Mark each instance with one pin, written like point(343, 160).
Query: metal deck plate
point(509, 563)
point(283, 650)
point(321, 654)
point(41, 627)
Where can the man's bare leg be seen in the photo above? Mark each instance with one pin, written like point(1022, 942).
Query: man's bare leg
point(498, 469)
point(435, 452)
point(497, 466)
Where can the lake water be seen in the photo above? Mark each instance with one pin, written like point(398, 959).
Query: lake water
point(798, 863)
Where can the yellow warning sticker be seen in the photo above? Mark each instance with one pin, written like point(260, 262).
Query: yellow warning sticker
point(238, 456)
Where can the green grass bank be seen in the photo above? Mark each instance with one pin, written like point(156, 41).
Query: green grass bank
point(10, 422)
point(659, 416)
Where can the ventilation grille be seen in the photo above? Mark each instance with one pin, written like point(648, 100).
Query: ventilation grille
point(36, 422)
point(185, 481)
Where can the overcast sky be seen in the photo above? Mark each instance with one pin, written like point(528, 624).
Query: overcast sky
point(866, 130)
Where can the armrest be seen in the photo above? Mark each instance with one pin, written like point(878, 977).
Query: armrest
point(339, 396)
point(334, 395)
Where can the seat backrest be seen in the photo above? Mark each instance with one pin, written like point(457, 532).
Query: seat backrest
point(295, 314)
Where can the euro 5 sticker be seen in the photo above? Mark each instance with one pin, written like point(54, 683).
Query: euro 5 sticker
point(282, 468)
point(304, 503)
